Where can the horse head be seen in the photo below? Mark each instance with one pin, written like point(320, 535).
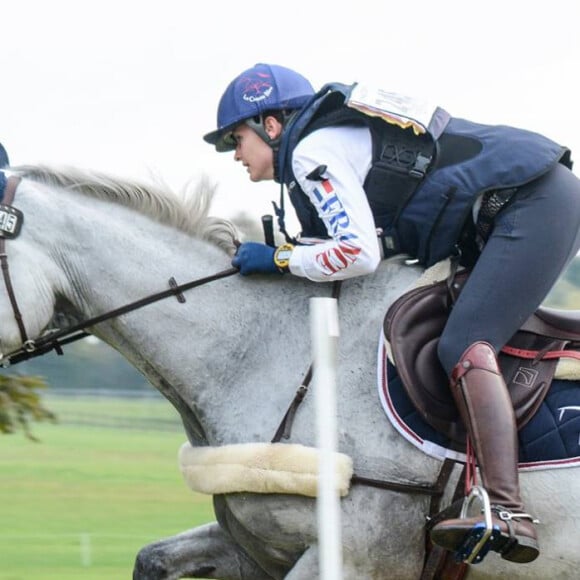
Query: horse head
point(74, 222)
point(31, 280)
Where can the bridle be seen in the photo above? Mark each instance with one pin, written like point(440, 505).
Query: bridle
point(54, 340)
point(11, 220)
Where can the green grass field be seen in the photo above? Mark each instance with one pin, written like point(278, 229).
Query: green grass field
point(82, 501)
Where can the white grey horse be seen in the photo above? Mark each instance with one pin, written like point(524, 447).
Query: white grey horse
point(230, 360)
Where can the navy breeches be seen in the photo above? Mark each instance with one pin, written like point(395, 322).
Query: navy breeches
point(533, 240)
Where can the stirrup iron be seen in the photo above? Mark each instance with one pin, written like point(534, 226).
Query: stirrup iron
point(478, 542)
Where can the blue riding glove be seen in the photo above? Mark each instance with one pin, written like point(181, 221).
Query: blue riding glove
point(255, 258)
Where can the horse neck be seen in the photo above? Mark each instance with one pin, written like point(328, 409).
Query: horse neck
point(211, 356)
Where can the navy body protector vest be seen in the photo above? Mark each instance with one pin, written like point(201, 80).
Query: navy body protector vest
point(421, 188)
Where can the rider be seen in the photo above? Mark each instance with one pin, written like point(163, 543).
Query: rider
point(409, 178)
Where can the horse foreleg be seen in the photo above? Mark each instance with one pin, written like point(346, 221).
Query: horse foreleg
point(203, 552)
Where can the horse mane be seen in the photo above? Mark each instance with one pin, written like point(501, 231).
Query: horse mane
point(187, 212)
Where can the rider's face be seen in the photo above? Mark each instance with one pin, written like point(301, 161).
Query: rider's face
point(256, 156)
point(254, 153)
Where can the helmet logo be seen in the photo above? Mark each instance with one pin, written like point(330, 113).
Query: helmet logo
point(257, 89)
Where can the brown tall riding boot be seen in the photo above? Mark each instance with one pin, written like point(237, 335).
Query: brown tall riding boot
point(486, 409)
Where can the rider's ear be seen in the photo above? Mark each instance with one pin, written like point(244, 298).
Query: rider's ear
point(273, 127)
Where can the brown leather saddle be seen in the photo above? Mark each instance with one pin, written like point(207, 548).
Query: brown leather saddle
point(413, 325)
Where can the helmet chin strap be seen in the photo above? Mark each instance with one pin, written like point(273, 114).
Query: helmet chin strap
point(257, 125)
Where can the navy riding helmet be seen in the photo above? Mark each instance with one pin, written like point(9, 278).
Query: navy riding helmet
point(262, 88)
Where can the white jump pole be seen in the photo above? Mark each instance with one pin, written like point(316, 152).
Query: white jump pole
point(324, 333)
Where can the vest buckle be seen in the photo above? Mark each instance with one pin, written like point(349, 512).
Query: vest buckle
point(420, 167)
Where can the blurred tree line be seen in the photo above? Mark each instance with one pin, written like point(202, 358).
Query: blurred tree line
point(88, 364)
